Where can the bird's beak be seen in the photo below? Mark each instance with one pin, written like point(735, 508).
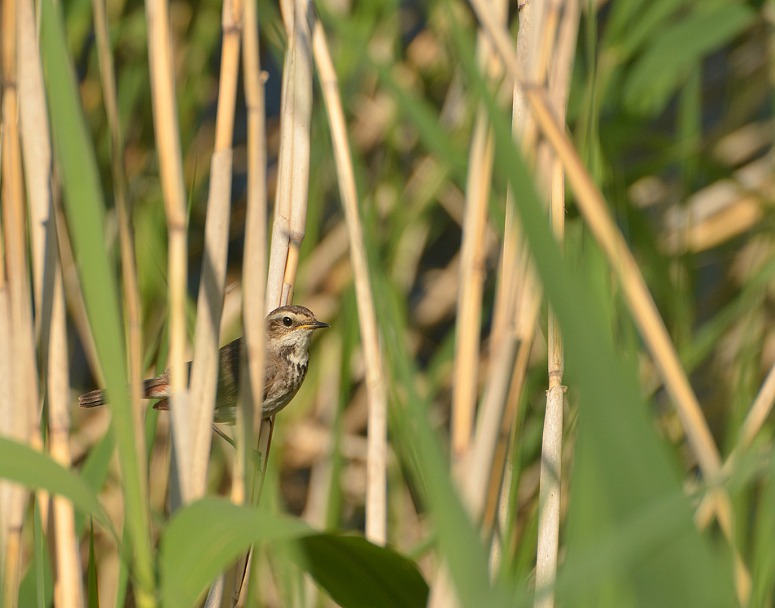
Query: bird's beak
point(316, 325)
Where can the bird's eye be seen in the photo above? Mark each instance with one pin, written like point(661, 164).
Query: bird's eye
point(287, 321)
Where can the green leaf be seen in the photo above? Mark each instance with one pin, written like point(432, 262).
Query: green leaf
point(763, 556)
point(206, 536)
point(85, 209)
point(91, 573)
point(33, 469)
point(677, 49)
point(356, 572)
point(37, 586)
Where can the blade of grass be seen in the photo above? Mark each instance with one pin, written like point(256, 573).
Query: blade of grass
point(551, 475)
point(24, 465)
point(85, 211)
point(130, 291)
point(204, 372)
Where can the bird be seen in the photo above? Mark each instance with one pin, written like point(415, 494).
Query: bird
point(289, 332)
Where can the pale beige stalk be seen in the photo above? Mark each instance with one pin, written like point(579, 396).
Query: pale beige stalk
point(290, 210)
point(204, 370)
point(471, 281)
point(49, 296)
point(472, 261)
point(254, 264)
point(376, 457)
point(518, 295)
point(253, 285)
point(517, 302)
point(560, 27)
point(165, 121)
point(288, 228)
point(23, 374)
point(467, 459)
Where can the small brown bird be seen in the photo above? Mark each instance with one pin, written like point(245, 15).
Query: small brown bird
point(289, 331)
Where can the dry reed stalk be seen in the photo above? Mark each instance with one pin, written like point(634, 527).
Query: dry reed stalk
point(23, 375)
point(488, 426)
point(204, 369)
point(518, 297)
point(165, 121)
point(253, 285)
point(254, 259)
point(562, 28)
point(204, 372)
point(131, 291)
point(472, 260)
point(523, 326)
point(471, 282)
point(49, 297)
point(592, 205)
point(469, 461)
point(376, 457)
point(290, 212)
point(288, 228)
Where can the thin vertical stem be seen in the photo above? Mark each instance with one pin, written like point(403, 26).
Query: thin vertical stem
point(165, 121)
point(376, 455)
point(290, 212)
point(254, 264)
point(288, 228)
point(36, 147)
point(23, 375)
point(253, 282)
point(552, 444)
point(204, 369)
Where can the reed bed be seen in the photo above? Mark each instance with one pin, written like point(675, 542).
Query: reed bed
point(539, 232)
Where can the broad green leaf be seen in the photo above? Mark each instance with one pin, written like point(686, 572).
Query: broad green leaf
point(33, 469)
point(357, 573)
point(203, 538)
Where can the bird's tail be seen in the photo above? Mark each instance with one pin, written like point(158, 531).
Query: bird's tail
point(155, 388)
point(92, 399)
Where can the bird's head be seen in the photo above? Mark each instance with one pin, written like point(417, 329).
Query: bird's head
point(291, 327)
